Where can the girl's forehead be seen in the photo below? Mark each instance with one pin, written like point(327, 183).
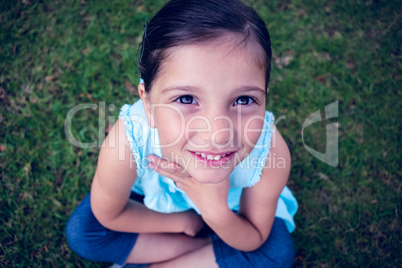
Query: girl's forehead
point(226, 46)
point(211, 66)
point(235, 45)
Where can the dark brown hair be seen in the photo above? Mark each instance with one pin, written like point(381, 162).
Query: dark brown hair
point(187, 22)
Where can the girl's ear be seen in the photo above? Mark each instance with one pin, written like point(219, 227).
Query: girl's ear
point(147, 104)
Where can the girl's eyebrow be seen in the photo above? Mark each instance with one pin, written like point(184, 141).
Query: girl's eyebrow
point(250, 89)
point(181, 88)
point(191, 89)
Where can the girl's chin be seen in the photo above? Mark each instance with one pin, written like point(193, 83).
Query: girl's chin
point(210, 177)
point(210, 181)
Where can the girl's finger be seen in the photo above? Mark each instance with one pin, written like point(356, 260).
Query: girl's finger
point(165, 168)
point(166, 172)
point(156, 160)
point(173, 166)
point(164, 163)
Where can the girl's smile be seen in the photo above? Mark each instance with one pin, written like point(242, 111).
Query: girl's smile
point(213, 160)
point(208, 103)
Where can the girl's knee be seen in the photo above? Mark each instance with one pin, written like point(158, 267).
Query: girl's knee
point(71, 232)
point(287, 255)
point(282, 257)
point(77, 229)
point(92, 241)
point(75, 235)
point(279, 249)
point(84, 238)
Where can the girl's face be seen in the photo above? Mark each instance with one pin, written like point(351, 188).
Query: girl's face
point(208, 104)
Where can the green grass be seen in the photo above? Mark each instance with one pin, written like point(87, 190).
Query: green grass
point(58, 54)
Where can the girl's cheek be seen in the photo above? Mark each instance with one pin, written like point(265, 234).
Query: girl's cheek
point(252, 130)
point(171, 126)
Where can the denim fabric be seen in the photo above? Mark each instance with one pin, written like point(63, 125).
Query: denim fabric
point(277, 251)
point(89, 239)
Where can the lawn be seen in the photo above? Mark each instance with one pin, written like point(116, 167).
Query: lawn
point(55, 55)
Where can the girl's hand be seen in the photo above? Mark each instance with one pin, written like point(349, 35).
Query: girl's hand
point(210, 198)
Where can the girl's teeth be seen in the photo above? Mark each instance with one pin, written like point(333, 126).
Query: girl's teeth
point(210, 157)
point(217, 157)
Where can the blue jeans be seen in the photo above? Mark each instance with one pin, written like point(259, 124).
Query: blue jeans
point(89, 239)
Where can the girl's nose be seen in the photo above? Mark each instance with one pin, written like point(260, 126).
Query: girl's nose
point(220, 131)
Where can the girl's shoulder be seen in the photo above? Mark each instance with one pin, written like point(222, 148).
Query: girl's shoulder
point(136, 124)
point(143, 140)
point(132, 114)
point(249, 171)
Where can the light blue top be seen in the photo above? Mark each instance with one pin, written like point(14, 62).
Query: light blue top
point(161, 193)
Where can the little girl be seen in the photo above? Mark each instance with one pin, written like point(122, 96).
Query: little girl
point(194, 173)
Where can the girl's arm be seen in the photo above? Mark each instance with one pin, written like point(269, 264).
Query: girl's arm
point(111, 188)
point(250, 228)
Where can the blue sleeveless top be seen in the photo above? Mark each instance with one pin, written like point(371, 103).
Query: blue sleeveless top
point(162, 195)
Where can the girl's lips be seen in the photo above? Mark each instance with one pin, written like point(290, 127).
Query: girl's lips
point(224, 158)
